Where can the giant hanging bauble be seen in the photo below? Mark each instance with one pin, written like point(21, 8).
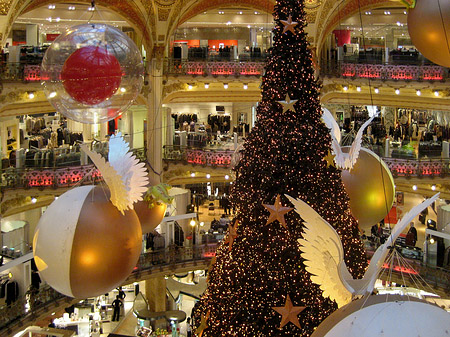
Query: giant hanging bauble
point(150, 218)
point(83, 246)
point(386, 315)
point(429, 27)
point(92, 73)
point(370, 186)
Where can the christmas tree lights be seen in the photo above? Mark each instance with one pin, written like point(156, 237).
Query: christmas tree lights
point(287, 152)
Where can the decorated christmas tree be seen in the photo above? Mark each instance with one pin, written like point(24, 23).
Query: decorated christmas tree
point(258, 285)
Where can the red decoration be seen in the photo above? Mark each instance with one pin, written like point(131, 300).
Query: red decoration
point(91, 75)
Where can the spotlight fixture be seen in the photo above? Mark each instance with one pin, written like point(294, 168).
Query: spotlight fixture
point(358, 89)
point(432, 240)
point(240, 12)
point(376, 90)
point(57, 19)
point(91, 9)
point(256, 13)
point(33, 200)
point(433, 187)
point(71, 8)
point(206, 85)
point(51, 7)
point(30, 95)
point(418, 93)
point(193, 174)
point(190, 86)
point(227, 177)
point(414, 187)
point(192, 222)
point(225, 85)
point(397, 91)
point(345, 88)
point(436, 93)
point(208, 176)
point(245, 86)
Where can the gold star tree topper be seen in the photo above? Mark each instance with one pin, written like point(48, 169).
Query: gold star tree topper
point(330, 159)
point(289, 313)
point(289, 25)
point(288, 104)
point(277, 212)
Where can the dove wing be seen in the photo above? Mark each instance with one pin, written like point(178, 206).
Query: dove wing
point(133, 173)
point(356, 145)
point(117, 188)
point(330, 122)
point(380, 254)
point(323, 253)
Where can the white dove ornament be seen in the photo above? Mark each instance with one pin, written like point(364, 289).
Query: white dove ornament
point(125, 176)
point(324, 255)
point(343, 160)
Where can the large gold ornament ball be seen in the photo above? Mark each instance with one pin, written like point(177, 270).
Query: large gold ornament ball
point(429, 31)
point(370, 186)
point(150, 218)
point(83, 246)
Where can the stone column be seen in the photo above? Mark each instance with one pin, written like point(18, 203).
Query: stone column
point(155, 293)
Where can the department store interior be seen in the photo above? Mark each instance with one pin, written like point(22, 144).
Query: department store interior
point(196, 108)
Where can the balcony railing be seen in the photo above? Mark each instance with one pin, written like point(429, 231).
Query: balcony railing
point(385, 71)
point(222, 158)
point(175, 67)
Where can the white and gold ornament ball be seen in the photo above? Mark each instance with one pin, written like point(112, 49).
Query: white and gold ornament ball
point(89, 239)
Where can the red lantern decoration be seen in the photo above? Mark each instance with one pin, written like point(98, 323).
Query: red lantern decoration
point(91, 75)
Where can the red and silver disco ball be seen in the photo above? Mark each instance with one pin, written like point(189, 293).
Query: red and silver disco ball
point(92, 73)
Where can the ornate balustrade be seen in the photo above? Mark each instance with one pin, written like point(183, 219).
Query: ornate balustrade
point(214, 68)
point(418, 168)
point(386, 71)
point(205, 157)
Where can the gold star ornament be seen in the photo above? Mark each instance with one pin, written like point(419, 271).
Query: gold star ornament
point(289, 25)
point(330, 159)
point(289, 313)
point(288, 104)
point(232, 234)
point(277, 212)
point(203, 325)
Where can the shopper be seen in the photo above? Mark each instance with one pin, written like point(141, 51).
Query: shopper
point(188, 327)
point(116, 304)
point(412, 234)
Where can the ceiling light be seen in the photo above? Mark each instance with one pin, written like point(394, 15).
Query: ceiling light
point(433, 187)
point(397, 91)
point(256, 13)
point(31, 95)
point(202, 224)
point(123, 89)
point(227, 177)
point(432, 240)
point(49, 19)
point(358, 89)
point(190, 86)
point(52, 94)
point(228, 23)
point(398, 23)
point(240, 13)
point(220, 12)
point(51, 6)
point(208, 176)
point(245, 86)
point(225, 85)
point(418, 93)
point(436, 93)
point(33, 200)
point(248, 26)
point(71, 8)
point(206, 85)
point(193, 174)
point(345, 88)
point(91, 9)
point(376, 90)
point(58, 19)
point(192, 222)
point(404, 12)
point(414, 187)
